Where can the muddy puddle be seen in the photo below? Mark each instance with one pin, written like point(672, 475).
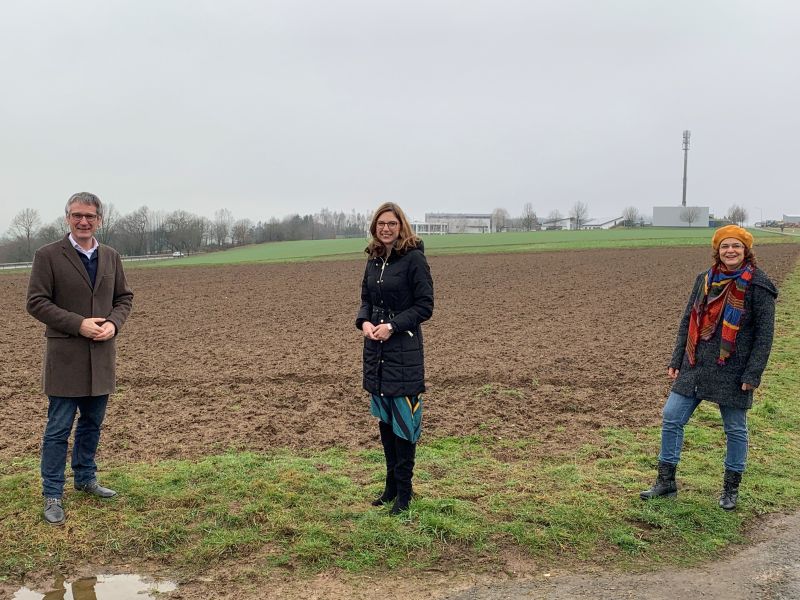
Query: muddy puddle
point(102, 587)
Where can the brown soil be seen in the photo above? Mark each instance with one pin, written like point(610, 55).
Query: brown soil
point(551, 345)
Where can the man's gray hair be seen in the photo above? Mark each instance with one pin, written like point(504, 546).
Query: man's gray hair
point(85, 198)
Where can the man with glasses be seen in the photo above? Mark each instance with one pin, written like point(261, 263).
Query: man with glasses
point(78, 290)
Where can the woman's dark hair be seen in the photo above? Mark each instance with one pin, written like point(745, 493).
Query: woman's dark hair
point(406, 239)
point(749, 257)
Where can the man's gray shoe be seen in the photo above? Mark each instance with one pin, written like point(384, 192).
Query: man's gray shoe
point(53, 512)
point(95, 489)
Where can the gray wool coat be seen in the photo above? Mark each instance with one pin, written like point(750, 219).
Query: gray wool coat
point(722, 384)
point(60, 295)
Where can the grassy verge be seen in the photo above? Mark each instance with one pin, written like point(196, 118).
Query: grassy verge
point(535, 241)
point(478, 496)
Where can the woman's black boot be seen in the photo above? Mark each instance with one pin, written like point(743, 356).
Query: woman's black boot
point(390, 454)
point(403, 473)
point(665, 483)
point(730, 490)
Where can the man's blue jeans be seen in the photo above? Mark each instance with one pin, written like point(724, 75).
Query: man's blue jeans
point(677, 411)
point(60, 417)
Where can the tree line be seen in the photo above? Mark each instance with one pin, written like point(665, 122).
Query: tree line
point(529, 220)
point(578, 216)
point(145, 231)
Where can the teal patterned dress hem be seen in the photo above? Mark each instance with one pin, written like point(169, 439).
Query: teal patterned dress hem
point(403, 413)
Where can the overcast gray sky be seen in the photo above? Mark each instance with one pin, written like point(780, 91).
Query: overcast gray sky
point(274, 107)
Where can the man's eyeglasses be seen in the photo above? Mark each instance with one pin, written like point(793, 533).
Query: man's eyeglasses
point(77, 217)
point(389, 224)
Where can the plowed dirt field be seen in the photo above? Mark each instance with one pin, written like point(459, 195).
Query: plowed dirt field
point(549, 345)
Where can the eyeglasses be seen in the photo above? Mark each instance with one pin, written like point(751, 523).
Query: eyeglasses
point(389, 224)
point(731, 246)
point(78, 217)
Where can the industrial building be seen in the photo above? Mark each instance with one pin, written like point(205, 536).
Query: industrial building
point(680, 216)
point(461, 222)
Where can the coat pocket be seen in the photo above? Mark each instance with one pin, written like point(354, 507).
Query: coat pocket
point(409, 340)
point(49, 332)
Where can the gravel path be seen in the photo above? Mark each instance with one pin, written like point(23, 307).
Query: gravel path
point(768, 569)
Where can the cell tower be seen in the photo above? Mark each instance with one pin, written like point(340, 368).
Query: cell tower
point(686, 135)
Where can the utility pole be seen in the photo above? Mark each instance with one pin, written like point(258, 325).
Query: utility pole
point(686, 135)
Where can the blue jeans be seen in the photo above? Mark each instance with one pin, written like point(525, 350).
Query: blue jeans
point(60, 417)
point(677, 411)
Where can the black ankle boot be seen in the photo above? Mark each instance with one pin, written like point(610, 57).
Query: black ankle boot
point(730, 490)
point(665, 483)
point(390, 454)
point(403, 473)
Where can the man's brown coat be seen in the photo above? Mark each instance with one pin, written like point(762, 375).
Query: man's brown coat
point(61, 296)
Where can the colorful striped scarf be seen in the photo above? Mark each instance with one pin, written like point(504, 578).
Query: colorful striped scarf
point(723, 296)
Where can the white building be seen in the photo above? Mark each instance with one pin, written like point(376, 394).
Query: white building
point(602, 223)
point(563, 223)
point(461, 222)
point(680, 216)
point(791, 218)
point(429, 228)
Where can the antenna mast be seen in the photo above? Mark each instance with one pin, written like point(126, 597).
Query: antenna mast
point(686, 135)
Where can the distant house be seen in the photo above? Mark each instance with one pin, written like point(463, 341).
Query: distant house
point(791, 219)
point(461, 222)
point(680, 216)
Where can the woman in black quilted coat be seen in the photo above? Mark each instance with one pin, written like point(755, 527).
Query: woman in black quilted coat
point(396, 297)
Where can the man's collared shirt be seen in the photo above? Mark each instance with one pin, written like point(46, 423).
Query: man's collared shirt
point(87, 253)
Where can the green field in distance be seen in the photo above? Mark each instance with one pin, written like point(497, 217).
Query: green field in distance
point(470, 244)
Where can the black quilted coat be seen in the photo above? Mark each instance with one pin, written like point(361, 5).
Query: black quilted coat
point(399, 291)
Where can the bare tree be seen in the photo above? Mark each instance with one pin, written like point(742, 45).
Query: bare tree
point(132, 231)
point(61, 224)
point(737, 214)
point(241, 232)
point(579, 214)
point(273, 231)
point(529, 219)
point(500, 219)
point(184, 231)
point(223, 220)
point(553, 217)
point(24, 226)
point(690, 214)
point(630, 215)
point(208, 231)
point(53, 231)
point(105, 232)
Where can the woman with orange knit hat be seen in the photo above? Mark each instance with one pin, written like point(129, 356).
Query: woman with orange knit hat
point(723, 344)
